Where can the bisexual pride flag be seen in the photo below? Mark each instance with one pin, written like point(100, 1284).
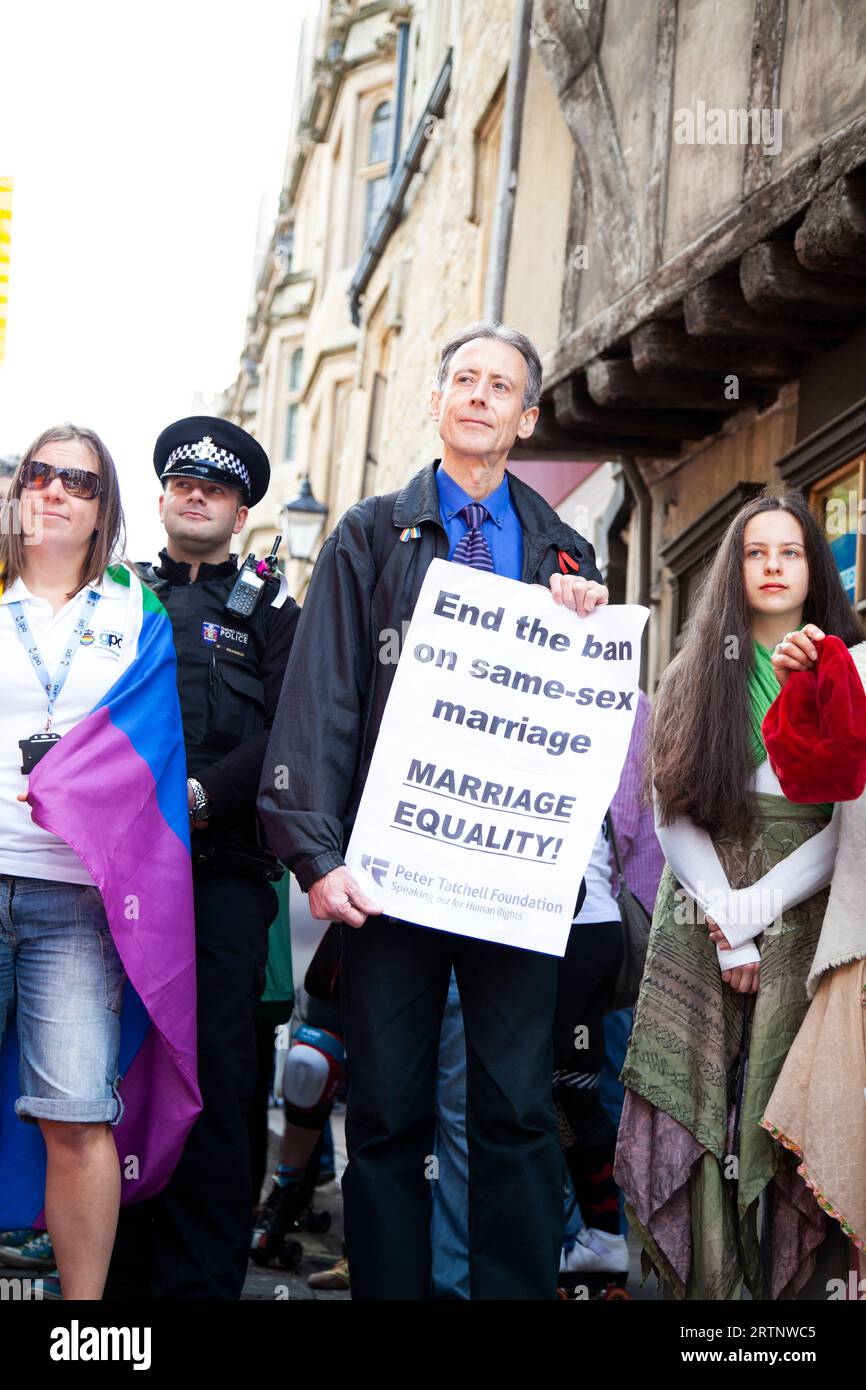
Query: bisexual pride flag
point(114, 788)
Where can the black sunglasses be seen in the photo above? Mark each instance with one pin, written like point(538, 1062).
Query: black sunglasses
point(78, 482)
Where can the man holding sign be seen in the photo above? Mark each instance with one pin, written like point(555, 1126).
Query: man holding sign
point(363, 592)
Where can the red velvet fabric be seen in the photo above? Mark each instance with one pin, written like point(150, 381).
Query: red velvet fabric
point(815, 730)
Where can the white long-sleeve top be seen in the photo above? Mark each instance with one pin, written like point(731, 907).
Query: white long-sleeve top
point(743, 913)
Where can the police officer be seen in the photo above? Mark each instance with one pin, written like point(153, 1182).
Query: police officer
point(192, 1241)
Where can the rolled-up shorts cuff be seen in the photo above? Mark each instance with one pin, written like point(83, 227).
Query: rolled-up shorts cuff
point(109, 1111)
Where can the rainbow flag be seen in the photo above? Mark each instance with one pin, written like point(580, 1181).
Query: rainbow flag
point(5, 242)
point(114, 788)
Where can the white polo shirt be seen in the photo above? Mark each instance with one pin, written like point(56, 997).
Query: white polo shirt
point(26, 850)
point(599, 905)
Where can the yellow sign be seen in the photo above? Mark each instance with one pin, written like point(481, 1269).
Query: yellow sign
point(5, 242)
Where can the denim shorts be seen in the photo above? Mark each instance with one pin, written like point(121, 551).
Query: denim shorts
point(61, 980)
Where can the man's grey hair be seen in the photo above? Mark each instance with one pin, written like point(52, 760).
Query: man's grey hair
point(8, 464)
point(486, 328)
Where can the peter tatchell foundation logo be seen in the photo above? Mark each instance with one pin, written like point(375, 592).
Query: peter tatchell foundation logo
point(77, 1343)
point(376, 868)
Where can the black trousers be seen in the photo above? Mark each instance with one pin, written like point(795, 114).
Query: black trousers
point(587, 977)
point(192, 1240)
point(394, 984)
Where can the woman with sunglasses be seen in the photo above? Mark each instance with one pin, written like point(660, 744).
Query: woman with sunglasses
point(70, 632)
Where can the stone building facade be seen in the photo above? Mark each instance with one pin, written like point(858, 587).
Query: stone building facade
point(361, 288)
point(712, 316)
point(667, 195)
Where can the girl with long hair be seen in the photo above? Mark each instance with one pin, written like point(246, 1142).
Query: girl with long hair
point(717, 1014)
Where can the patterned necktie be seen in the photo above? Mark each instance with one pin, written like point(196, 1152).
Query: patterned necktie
point(472, 549)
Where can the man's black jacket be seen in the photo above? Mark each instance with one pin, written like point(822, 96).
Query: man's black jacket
point(335, 688)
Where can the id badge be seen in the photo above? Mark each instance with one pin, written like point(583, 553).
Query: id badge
point(34, 748)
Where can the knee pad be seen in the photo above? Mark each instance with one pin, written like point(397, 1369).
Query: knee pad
point(313, 1075)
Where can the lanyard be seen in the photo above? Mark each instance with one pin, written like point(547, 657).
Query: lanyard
point(52, 686)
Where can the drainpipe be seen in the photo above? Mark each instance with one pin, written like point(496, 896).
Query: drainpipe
point(509, 159)
point(643, 506)
point(402, 22)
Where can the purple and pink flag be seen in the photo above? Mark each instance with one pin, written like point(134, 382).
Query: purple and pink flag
point(114, 788)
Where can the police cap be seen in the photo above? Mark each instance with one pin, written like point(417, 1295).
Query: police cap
point(203, 446)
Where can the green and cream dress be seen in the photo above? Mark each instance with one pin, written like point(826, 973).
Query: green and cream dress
point(693, 1158)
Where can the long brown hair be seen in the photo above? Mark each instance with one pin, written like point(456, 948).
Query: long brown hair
point(701, 765)
point(108, 543)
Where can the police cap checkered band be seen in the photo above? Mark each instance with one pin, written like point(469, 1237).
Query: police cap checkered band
point(205, 446)
point(206, 452)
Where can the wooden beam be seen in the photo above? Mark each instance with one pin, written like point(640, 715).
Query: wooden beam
point(550, 440)
point(572, 271)
point(659, 348)
point(614, 382)
point(567, 42)
point(765, 77)
point(588, 450)
point(832, 236)
point(662, 104)
point(717, 309)
point(576, 413)
point(744, 224)
point(774, 282)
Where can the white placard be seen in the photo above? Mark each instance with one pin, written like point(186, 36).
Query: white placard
point(500, 750)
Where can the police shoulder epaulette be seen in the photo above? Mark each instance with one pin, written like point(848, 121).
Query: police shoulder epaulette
point(282, 592)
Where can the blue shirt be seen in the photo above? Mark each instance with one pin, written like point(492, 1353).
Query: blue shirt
point(500, 529)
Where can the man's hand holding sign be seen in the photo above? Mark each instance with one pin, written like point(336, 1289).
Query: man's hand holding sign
point(338, 896)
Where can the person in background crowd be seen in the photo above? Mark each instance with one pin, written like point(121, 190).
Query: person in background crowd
point(590, 1097)
point(312, 1077)
point(87, 657)
point(8, 464)
point(395, 974)
point(602, 1253)
point(450, 1190)
point(708, 1044)
point(643, 862)
point(272, 1018)
point(193, 1241)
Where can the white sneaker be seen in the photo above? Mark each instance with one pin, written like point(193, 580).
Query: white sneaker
point(595, 1252)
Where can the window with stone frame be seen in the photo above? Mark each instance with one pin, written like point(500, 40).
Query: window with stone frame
point(374, 163)
point(293, 405)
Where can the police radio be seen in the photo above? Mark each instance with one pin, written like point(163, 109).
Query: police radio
point(250, 583)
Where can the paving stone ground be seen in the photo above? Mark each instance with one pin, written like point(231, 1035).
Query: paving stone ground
point(321, 1250)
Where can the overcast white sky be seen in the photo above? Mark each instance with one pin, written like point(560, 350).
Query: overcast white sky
point(142, 139)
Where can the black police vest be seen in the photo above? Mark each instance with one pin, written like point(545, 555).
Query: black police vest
point(219, 665)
